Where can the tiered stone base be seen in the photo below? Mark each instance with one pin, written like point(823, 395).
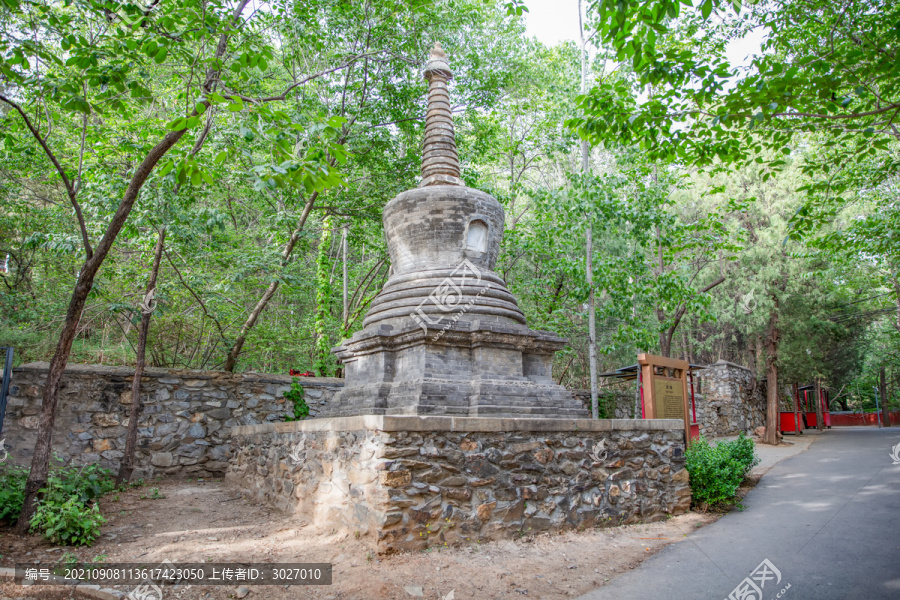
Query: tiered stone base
point(470, 369)
point(409, 483)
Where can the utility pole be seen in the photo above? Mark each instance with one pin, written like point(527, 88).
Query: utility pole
point(589, 242)
point(346, 313)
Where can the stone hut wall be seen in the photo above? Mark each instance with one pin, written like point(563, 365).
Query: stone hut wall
point(408, 483)
point(184, 427)
point(619, 403)
point(731, 401)
point(727, 397)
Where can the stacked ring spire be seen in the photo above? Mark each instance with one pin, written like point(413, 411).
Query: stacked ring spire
point(440, 161)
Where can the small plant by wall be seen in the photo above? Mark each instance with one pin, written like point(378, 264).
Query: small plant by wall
point(297, 397)
point(68, 511)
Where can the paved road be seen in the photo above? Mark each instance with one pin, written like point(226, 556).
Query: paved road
point(828, 519)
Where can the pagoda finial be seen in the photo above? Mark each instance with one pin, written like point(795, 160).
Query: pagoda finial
point(440, 162)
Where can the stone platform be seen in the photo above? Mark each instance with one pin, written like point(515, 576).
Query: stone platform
point(409, 483)
point(472, 369)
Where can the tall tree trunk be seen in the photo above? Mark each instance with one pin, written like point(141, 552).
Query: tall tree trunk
point(772, 336)
point(345, 315)
point(690, 343)
point(126, 467)
point(751, 354)
point(897, 294)
point(664, 338)
point(665, 346)
point(40, 461)
point(882, 387)
point(820, 417)
point(592, 325)
point(759, 358)
point(893, 384)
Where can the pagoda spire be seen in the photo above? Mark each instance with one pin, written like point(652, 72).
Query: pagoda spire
point(440, 162)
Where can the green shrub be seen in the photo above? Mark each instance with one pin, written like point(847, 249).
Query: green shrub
point(71, 522)
point(717, 471)
point(297, 396)
point(742, 450)
point(86, 483)
point(12, 492)
point(67, 511)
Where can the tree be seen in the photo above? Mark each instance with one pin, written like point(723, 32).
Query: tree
point(773, 336)
point(826, 73)
point(589, 232)
point(86, 61)
point(147, 306)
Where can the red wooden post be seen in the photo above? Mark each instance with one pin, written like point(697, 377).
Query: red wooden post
point(693, 405)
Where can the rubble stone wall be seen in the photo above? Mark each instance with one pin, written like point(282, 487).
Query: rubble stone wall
point(620, 403)
point(409, 483)
point(183, 429)
point(731, 401)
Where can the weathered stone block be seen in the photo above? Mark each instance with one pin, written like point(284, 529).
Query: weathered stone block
point(102, 445)
point(485, 510)
point(394, 478)
point(162, 459)
point(197, 431)
point(30, 422)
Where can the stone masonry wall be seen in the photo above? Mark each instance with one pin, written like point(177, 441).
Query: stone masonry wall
point(731, 402)
point(184, 427)
point(727, 398)
point(409, 483)
point(621, 403)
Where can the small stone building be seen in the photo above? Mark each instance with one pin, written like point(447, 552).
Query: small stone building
point(728, 399)
point(732, 400)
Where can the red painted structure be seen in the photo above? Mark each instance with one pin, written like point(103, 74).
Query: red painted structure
point(808, 405)
point(848, 419)
point(790, 421)
point(804, 415)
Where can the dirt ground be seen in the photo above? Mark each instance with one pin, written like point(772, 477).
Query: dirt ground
point(204, 521)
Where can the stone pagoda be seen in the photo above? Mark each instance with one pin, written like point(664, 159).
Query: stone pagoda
point(445, 336)
point(449, 428)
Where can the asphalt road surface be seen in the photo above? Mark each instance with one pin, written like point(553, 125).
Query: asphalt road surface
point(827, 521)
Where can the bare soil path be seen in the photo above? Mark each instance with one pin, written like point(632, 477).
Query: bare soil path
point(205, 521)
